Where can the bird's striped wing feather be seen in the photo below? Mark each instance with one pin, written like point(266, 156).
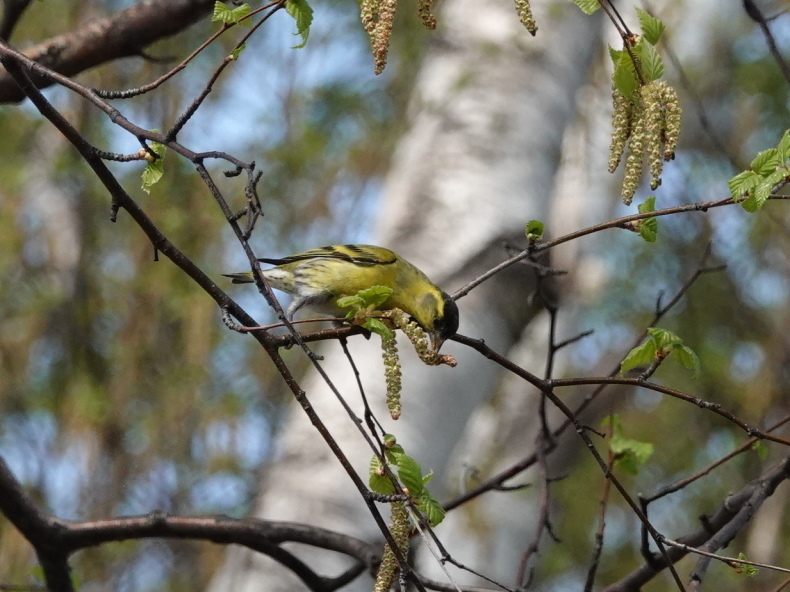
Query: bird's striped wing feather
point(358, 254)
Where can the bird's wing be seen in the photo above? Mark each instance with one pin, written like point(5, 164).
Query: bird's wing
point(358, 254)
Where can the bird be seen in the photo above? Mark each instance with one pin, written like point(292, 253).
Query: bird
point(318, 277)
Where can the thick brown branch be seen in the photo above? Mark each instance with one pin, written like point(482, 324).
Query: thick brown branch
point(39, 529)
point(124, 34)
point(54, 540)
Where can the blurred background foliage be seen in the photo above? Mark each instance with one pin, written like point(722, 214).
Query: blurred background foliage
point(120, 389)
point(122, 392)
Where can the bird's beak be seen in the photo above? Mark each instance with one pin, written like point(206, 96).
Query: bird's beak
point(436, 340)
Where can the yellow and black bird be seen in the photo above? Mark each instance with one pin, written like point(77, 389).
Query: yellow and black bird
point(318, 277)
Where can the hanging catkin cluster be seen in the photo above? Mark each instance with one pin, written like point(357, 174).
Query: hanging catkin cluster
point(649, 121)
point(424, 9)
point(377, 17)
point(417, 336)
point(392, 375)
point(400, 532)
point(389, 353)
point(525, 16)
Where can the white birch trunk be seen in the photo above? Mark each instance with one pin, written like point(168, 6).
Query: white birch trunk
point(488, 117)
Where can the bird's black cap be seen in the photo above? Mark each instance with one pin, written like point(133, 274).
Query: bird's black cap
point(447, 325)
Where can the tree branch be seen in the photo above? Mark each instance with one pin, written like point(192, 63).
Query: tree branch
point(124, 34)
point(725, 516)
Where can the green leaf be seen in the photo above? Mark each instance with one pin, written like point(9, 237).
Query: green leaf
point(760, 194)
point(377, 481)
point(431, 508)
point(652, 64)
point(629, 454)
point(663, 338)
point(649, 205)
point(393, 453)
point(367, 299)
point(775, 178)
point(664, 343)
point(749, 570)
point(381, 484)
point(302, 13)
point(648, 227)
point(686, 357)
point(225, 15)
point(615, 54)
point(534, 230)
point(743, 183)
point(410, 475)
point(588, 6)
point(350, 301)
point(379, 328)
point(375, 295)
point(221, 13)
point(624, 77)
point(642, 355)
point(154, 170)
point(751, 204)
point(237, 52)
point(783, 148)
point(652, 28)
point(765, 162)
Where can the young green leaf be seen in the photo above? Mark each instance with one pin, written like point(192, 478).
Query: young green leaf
point(663, 338)
point(394, 453)
point(379, 328)
point(652, 64)
point(765, 162)
point(624, 76)
point(686, 357)
point(534, 230)
point(410, 475)
point(588, 6)
point(629, 454)
point(221, 13)
point(302, 13)
point(749, 570)
point(652, 28)
point(648, 227)
point(367, 299)
point(377, 480)
point(432, 509)
point(155, 169)
point(237, 52)
point(375, 295)
point(227, 16)
point(767, 170)
point(783, 147)
point(649, 205)
point(743, 183)
point(642, 355)
point(760, 194)
point(660, 344)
